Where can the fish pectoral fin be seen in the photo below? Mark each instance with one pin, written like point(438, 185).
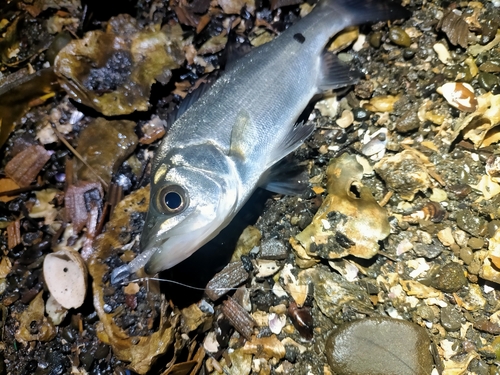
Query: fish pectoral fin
point(287, 177)
point(335, 73)
point(290, 142)
point(243, 136)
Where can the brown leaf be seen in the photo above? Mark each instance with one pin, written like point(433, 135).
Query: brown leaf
point(239, 318)
point(140, 351)
point(6, 184)
point(76, 202)
point(233, 275)
point(33, 325)
point(25, 166)
point(13, 234)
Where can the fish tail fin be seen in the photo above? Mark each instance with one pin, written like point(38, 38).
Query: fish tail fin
point(365, 11)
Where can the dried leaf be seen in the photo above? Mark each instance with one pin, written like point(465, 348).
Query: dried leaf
point(18, 95)
point(43, 207)
point(140, 351)
point(241, 320)
point(34, 315)
point(5, 267)
point(104, 145)
point(25, 166)
point(77, 200)
point(113, 71)
point(6, 184)
point(13, 235)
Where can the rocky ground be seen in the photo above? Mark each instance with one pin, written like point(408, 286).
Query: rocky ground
point(389, 264)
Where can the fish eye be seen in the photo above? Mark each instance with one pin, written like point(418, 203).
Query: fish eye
point(172, 199)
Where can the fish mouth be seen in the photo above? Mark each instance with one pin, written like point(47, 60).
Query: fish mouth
point(161, 252)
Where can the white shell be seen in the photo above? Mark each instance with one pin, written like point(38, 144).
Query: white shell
point(65, 275)
point(459, 95)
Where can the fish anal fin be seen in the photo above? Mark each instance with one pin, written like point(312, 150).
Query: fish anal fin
point(335, 73)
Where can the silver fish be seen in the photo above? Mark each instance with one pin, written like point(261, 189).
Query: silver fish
point(223, 147)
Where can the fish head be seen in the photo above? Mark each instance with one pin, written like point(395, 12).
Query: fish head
point(187, 208)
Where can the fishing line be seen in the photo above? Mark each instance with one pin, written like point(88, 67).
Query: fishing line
point(146, 279)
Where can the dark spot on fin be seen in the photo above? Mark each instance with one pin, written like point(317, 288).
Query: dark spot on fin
point(335, 73)
point(299, 38)
point(286, 177)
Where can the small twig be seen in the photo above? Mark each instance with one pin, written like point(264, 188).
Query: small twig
point(10, 193)
point(386, 198)
point(77, 154)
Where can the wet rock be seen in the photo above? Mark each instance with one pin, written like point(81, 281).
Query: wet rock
point(349, 222)
point(451, 319)
point(466, 255)
point(487, 80)
point(273, 249)
point(333, 293)
point(450, 278)
point(475, 243)
point(472, 223)
point(408, 121)
point(379, 346)
point(405, 173)
point(375, 39)
point(360, 114)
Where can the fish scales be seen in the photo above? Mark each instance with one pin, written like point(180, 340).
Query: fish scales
point(222, 148)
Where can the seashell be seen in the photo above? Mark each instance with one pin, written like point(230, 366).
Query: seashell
point(302, 320)
point(432, 211)
point(459, 95)
point(65, 275)
point(376, 143)
point(493, 166)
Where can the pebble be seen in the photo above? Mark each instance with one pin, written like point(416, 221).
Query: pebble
point(487, 80)
point(451, 319)
point(399, 37)
point(450, 278)
point(273, 249)
point(379, 346)
point(408, 121)
point(471, 223)
point(360, 114)
point(475, 243)
point(466, 255)
point(375, 39)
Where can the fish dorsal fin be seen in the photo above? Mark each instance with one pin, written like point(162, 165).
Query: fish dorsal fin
point(286, 177)
point(189, 100)
point(234, 50)
point(290, 142)
point(243, 136)
point(335, 73)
